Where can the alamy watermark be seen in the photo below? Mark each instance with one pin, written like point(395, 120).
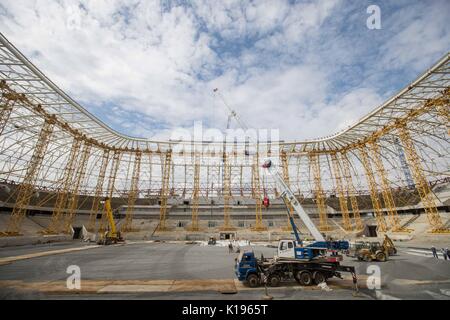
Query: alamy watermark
point(238, 145)
point(374, 279)
point(374, 20)
point(74, 280)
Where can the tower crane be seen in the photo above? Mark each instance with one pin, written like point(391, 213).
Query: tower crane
point(232, 113)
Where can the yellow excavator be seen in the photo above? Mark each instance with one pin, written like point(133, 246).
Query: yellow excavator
point(111, 236)
point(375, 251)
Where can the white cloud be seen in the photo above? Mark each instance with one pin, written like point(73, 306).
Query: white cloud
point(293, 67)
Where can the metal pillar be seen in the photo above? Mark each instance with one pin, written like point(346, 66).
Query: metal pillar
point(61, 199)
point(351, 191)
point(25, 190)
point(195, 194)
point(259, 226)
point(342, 198)
point(133, 194)
point(319, 195)
point(388, 199)
point(226, 194)
point(165, 191)
point(98, 190)
point(79, 180)
point(422, 186)
point(381, 222)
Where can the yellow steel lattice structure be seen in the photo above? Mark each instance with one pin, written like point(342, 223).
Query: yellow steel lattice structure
point(226, 195)
point(389, 203)
point(28, 99)
point(318, 192)
point(133, 194)
point(98, 191)
point(165, 191)
point(346, 223)
point(74, 195)
point(7, 101)
point(259, 226)
point(61, 199)
point(351, 191)
point(421, 183)
point(26, 188)
point(372, 184)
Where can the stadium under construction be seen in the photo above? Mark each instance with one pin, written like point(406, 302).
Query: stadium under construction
point(387, 174)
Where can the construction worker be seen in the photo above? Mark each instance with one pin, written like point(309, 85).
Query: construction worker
point(433, 249)
point(444, 253)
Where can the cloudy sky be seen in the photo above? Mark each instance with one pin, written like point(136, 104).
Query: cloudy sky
point(307, 68)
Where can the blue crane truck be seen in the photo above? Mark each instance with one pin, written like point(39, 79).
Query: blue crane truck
point(307, 263)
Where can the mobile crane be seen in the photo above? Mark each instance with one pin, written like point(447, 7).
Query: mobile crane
point(111, 235)
point(306, 263)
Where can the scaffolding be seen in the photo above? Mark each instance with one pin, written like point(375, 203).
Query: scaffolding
point(98, 191)
point(195, 194)
point(372, 184)
point(226, 194)
point(7, 102)
point(165, 191)
point(67, 180)
point(422, 186)
point(346, 223)
point(389, 203)
point(133, 194)
point(416, 117)
point(351, 192)
point(318, 192)
point(26, 188)
point(74, 194)
point(259, 226)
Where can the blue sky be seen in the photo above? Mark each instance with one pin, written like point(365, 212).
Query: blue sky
point(307, 68)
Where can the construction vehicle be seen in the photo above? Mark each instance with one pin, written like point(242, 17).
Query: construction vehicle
point(373, 251)
point(111, 236)
point(307, 263)
point(212, 241)
point(389, 245)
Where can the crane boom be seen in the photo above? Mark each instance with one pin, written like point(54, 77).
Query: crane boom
point(288, 196)
point(232, 113)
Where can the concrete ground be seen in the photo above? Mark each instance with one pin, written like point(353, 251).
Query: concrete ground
point(156, 270)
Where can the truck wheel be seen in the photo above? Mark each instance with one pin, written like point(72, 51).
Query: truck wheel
point(319, 277)
point(305, 278)
point(368, 258)
point(253, 280)
point(381, 257)
point(273, 280)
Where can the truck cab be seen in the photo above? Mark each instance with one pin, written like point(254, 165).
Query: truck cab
point(286, 249)
point(246, 268)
